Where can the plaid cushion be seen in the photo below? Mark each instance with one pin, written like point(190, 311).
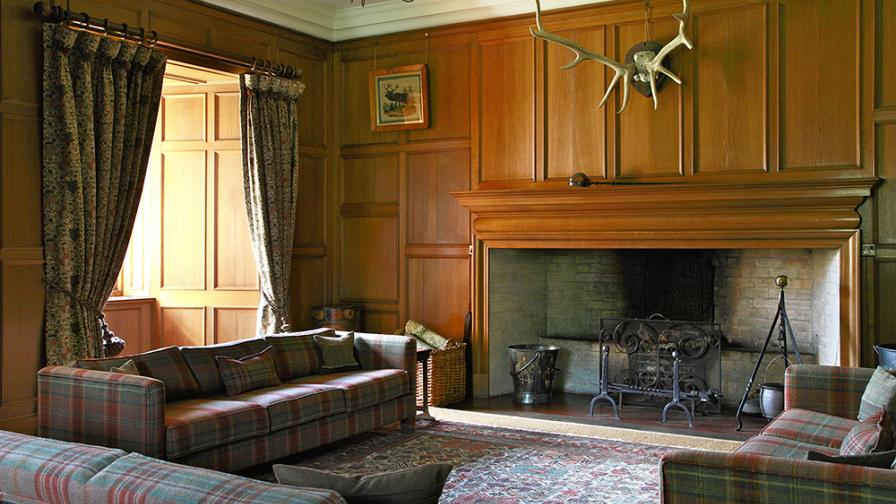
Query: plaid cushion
point(379, 351)
point(810, 427)
point(45, 470)
point(98, 407)
point(201, 360)
point(136, 478)
point(827, 389)
point(880, 394)
point(870, 435)
point(702, 477)
point(289, 405)
point(248, 373)
point(199, 424)
point(771, 446)
point(364, 388)
point(296, 354)
point(165, 364)
point(129, 367)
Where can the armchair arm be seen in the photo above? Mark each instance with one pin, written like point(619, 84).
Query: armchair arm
point(826, 389)
point(697, 477)
point(381, 351)
point(106, 409)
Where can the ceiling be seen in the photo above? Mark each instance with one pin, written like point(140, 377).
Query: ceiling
point(340, 20)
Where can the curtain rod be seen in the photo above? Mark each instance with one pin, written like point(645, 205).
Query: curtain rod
point(83, 21)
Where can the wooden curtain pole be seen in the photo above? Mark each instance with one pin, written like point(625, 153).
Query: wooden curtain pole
point(83, 21)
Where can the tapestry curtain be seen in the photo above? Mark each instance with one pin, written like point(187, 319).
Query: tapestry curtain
point(270, 139)
point(100, 103)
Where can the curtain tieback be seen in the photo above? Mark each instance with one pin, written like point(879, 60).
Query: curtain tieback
point(71, 295)
point(280, 311)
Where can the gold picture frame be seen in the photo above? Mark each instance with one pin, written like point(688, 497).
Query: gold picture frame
point(399, 98)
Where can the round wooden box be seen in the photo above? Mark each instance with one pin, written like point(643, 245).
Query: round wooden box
point(338, 317)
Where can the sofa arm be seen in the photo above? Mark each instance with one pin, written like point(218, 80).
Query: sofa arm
point(107, 409)
point(826, 389)
point(381, 351)
point(697, 477)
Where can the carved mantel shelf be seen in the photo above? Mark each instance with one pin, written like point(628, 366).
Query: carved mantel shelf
point(777, 214)
point(820, 214)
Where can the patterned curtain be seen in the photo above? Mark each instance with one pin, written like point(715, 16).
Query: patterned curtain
point(270, 121)
point(101, 99)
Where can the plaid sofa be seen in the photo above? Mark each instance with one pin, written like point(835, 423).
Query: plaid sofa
point(821, 406)
point(201, 426)
point(38, 470)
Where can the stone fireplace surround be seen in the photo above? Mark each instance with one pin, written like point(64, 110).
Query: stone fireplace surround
point(782, 214)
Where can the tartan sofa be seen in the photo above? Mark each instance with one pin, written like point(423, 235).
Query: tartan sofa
point(42, 470)
point(821, 406)
point(177, 410)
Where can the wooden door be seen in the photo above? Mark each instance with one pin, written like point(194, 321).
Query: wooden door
point(204, 273)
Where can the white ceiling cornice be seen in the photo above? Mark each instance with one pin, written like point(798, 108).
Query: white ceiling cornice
point(337, 20)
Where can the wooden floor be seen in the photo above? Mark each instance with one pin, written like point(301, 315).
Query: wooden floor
point(574, 408)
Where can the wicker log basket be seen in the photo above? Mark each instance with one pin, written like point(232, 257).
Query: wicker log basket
point(447, 375)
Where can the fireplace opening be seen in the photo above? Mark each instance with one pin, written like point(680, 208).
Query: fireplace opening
point(560, 297)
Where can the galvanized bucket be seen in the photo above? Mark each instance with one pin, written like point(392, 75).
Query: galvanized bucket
point(533, 368)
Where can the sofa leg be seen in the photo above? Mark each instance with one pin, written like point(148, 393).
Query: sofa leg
point(407, 426)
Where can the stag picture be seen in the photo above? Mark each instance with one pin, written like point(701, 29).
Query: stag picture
point(398, 98)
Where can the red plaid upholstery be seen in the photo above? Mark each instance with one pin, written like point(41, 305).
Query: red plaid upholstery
point(201, 360)
point(826, 389)
point(870, 435)
point(379, 351)
point(198, 424)
point(44, 470)
point(779, 447)
point(296, 354)
point(289, 405)
point(135, 478)
point(101, 408)
point(364, 388)
point(698, 477)
point(248, 373)
point(382, 414)
point(165, 364)
point(810, 427)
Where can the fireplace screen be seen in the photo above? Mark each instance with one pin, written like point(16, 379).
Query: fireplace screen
point(641, 359)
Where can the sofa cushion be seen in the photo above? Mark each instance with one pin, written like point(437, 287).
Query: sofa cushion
point(364, 388)
point(413, 485)
point(296, 354)
point(248, 373)
point(868, 436)
point(880, 394)
point(811, 427)
point(201, 360)
point(881, 460)
point(337, 353)
point(294, 404)
point(771, 446)
point(165, 364)
point(198, 424)
point(136, 478)
point(45, 470)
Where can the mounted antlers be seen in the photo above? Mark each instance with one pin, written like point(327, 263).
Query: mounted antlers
point(646, 67)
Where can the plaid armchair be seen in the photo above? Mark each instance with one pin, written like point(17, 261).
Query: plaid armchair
point(821, 405)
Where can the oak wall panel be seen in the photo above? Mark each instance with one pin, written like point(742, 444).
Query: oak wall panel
point(370, 259)
point(227, 120)
point(730, 90)
point(649, 141)
point(22, 318)
point(234, 260)
point(131, 319)
point(371, 179)
point(183, 117)
point(195, 30)
point(183, 326)
point(378, 321)
point(356, 103)
point(439, 293)
point(21, 48)
point(314, 114)
point(17, 135)
point(819, 99)
point(183, 224)
point(507, 110)
point(233, 324)
point(309, 288)
point(132, 15)
point(885, 197)
point(311, 208)
point(449, 94)
point(576, 126)
point(434, 216)
point(886, 54)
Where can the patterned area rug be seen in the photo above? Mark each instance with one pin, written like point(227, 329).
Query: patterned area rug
point(495, 465)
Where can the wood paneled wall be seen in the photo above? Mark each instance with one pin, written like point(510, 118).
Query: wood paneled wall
point(21, 254)
point(774, 89)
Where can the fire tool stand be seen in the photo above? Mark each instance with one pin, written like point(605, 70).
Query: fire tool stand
point(782, 322)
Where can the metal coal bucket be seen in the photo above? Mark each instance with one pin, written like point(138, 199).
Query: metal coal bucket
point(533, 368)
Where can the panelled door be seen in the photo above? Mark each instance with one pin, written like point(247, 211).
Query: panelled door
point(204, 275)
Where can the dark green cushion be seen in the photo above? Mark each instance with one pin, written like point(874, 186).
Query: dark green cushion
point(419, 485)
point(337, 353)
point(882, 460)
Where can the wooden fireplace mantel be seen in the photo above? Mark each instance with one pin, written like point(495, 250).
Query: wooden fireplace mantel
point(776, 214)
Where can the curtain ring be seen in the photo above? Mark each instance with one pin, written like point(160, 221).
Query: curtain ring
point(124, 31)
point(105, 27)
point(268, 66)
point(278, 68)
point(142, 36)
point(155, 39)
point(254, 64)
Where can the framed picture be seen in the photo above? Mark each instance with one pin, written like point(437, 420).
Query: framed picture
point(399, 98)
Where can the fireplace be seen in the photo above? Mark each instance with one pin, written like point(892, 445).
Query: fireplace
point(769, 228)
